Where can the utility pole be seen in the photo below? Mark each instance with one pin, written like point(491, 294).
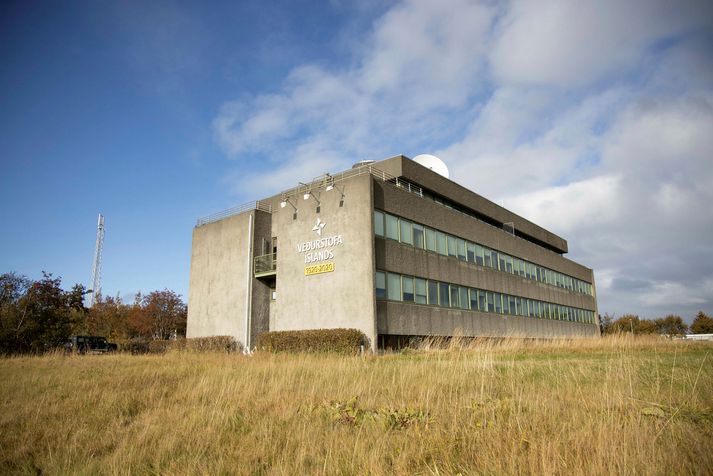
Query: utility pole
point(97, 267)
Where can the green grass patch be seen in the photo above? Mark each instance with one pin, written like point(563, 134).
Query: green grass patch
point(601, 406)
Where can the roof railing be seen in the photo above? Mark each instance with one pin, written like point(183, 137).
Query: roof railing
point(325, 180)
point(328, 179)
point(246, 207)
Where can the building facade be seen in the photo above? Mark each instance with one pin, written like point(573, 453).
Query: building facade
point(391, 248)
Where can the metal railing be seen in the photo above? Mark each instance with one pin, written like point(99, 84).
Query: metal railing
point(406, 185)
point(255, 205)
point(329, 179)
point(266, 264)
point(319, 182)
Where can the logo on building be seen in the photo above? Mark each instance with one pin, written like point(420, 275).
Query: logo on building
point(319, 226)
point(321, 249)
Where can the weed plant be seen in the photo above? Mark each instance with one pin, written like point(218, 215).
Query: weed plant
point(616, 405)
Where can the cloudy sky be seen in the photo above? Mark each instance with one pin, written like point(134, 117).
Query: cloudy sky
point(591, 118)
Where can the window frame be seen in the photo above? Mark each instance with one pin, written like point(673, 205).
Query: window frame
point(393, 294)
point(376, 221)
point(405, 232)
point(395, 224)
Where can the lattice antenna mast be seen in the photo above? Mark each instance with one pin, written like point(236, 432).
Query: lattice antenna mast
point(97, 267)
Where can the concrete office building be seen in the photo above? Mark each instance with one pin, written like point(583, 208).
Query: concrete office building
point(392, 248)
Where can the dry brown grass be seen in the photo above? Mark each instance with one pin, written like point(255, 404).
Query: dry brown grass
point(600, 406)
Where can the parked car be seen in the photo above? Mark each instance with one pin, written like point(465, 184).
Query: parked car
point(89, 345)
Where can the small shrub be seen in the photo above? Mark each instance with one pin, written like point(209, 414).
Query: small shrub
point(342, 341)
point(135, 346)
point(210, 344)
point(159, 346)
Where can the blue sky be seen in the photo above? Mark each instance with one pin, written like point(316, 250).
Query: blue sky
point(590, 118)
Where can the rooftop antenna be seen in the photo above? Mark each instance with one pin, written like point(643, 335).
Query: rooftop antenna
point(97, 267)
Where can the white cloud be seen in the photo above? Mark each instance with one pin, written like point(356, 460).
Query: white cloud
point(309, 160)
point(570, 43)
point(646, 219)
point(577, 205)
point(421, 47)
point(420, 63)
point(523, 140)
point(665, 293)
point(592, 118)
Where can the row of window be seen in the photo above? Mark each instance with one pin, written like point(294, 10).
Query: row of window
point(460, 209)
point(397, 287)
point(423, 237)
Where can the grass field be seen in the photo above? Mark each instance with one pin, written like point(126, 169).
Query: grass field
point(605, 406)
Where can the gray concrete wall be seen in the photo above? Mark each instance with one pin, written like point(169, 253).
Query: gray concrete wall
point(398, 258)
point(409, 319)
point(397, 318)
point(407, 168)
point(412, 207)
point(220, 276)
point(342, 298)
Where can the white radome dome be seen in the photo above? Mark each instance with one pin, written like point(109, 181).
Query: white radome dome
point(432, 162)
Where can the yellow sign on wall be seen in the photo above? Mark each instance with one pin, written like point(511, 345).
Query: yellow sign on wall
point(319, 268)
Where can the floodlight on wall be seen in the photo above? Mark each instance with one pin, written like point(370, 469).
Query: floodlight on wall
point(332, 186)
point(308, 194)
point(283, 203)
point(330, 182)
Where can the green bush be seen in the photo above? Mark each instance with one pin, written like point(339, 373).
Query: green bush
point(159, 346)
point(135, 346)
point(196, 344)
point(209, 344)
point(342, 341)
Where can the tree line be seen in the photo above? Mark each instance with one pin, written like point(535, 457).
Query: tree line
point(38, 316)
point(670, 325)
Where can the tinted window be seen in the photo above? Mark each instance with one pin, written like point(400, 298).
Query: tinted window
point(378, 223)
point(454, 296)
point(491, 303)
point(418, 236)
point(430, 239)
point(479, 255)
point(420, 291)
point(461, 249)
point(394, 287)
point(392, 227)
point(380, 285)
point(473, 299)
point(471, 252)
point(441, 243)
point(452, 251)
point(407, 287)
point(497, 297)
point(433, 292)
point(443, 295)
point(482, 301)
point(406, 232)
point(463, 298)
